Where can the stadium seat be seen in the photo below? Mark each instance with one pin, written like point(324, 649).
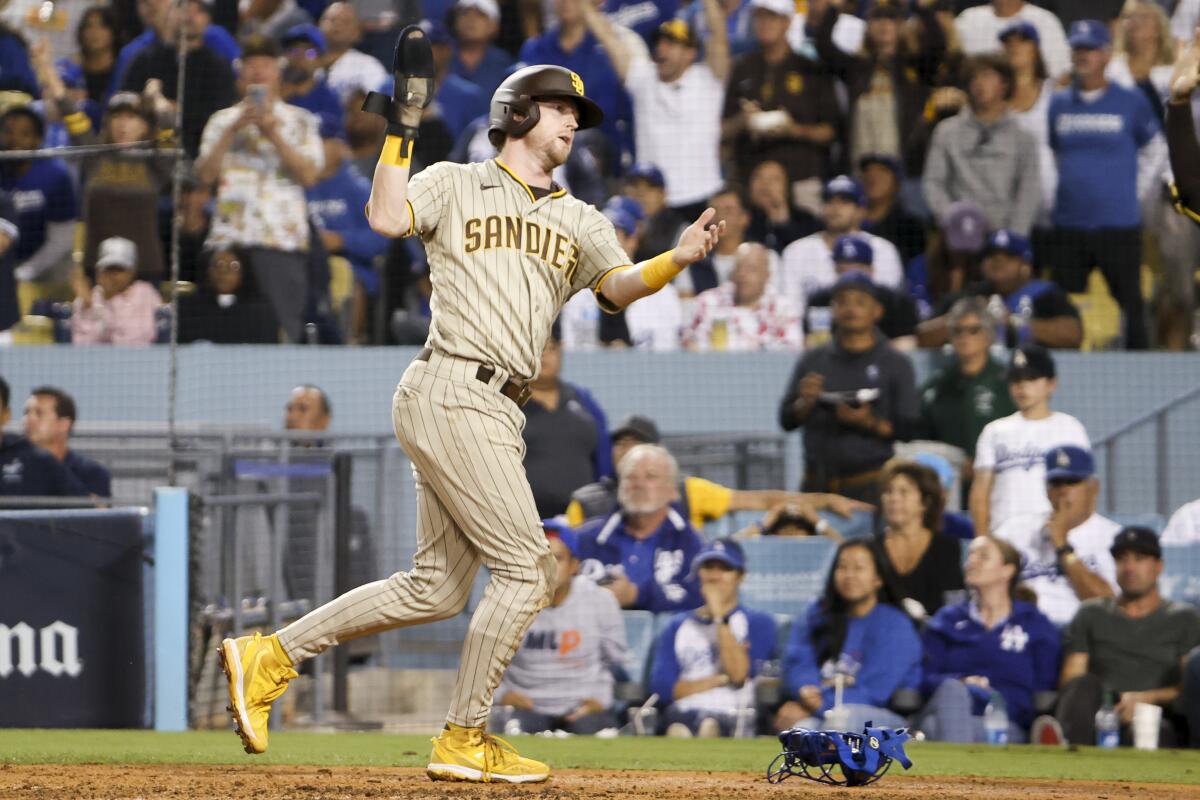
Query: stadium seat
point(1180, 579)
point(1100, 314)
point(785, 574)
point(639, 633)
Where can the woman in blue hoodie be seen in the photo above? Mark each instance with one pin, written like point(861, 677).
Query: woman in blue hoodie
point(993, 643)
point(856, 632)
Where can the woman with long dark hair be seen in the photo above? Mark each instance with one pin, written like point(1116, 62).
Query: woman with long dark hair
point(992, 644)
point(854, 636)
point(91, 68)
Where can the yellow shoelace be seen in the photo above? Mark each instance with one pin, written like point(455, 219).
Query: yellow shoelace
point(493, 752)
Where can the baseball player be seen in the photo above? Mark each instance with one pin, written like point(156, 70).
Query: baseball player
point(507, 248)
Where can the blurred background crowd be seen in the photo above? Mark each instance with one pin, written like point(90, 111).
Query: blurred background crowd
point(890, 138)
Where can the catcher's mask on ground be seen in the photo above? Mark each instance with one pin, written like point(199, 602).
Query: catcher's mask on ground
point(862, 757)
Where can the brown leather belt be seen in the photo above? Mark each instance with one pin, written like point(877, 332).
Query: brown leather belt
point(517, 392)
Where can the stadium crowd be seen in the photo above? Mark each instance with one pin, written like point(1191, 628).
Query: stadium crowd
point(885, 138)
point(891, 175)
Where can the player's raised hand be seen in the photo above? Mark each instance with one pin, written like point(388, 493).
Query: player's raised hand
point(1187, 70)
point(698, 239)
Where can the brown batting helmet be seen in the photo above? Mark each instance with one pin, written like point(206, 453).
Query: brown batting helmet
point(518, 93)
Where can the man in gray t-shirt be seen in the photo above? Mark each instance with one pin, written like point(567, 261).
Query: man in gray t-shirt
point(1135, 646)
point(561, 677)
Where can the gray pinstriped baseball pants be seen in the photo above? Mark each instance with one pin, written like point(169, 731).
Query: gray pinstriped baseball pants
point(474, 506)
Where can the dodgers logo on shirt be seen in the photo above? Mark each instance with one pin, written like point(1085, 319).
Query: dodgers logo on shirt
point(872, 373)
point(1013, 639)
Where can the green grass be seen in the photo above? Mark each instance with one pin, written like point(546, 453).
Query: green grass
point(748, 755)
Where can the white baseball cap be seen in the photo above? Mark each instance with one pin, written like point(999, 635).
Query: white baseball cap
point(784, 8)
point(117, 251)
point(489, 8)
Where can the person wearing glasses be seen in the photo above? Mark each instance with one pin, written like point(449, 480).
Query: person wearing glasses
point(1065, 556)
point(1026, 310)
point(969, 391)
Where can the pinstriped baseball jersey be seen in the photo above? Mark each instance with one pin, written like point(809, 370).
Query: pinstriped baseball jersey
point(503, 261)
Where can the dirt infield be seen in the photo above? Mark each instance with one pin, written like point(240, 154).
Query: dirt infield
point(123, 782)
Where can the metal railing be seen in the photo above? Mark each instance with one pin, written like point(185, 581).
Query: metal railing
point(1162, 443)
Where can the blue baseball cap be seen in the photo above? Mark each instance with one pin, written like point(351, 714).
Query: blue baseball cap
point(845, 187)
point(855, 281)
point(557, 529)
point(621, 219)
point(726, 551)
point(646, 172)
point(1020, 27)
point(884, 160)
point(1011, 242)
point(1069, 462)
point(1089, 34)
point(938, 464)
point(436, 30)
point(852, 248)
point(306, 32)
point(627, 204)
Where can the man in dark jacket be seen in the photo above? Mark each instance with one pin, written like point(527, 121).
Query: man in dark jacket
point(29, 471)
point(854, 397)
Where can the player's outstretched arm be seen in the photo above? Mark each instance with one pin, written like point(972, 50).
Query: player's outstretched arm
point(412, 91)
point(1181, 129)
point(697, 240)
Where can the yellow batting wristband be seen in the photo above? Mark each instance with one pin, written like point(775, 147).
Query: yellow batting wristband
point(657, 272)
point(397, 151)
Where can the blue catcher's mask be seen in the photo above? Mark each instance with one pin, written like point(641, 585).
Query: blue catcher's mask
point(863, 757)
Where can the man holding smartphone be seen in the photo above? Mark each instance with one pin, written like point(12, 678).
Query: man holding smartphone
point(854, 397)
point(262, 153)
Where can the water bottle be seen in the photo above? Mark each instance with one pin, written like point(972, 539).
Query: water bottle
point(1024, 320)
point(998, 311)
point(995, 720)
point(1108, 724)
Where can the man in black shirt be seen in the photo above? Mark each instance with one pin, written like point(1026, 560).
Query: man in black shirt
point(660, 226)
point(566, 435)
point(774, 220)
point(49, 419)
point(1027, 309)
point(881, 175)
point(854, 397)
point(27, 470)
point(898, 322)
point(780, 105)
point(209, 84)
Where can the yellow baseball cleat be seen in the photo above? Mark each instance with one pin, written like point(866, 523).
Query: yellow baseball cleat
point(469, 754)
point(258, 672)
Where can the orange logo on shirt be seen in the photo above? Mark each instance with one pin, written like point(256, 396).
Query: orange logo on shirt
point(568, 641)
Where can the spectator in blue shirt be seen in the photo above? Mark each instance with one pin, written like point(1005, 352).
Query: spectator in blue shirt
point(573, 46)
point(994, 643)
point(1108, 144)
point(304, 48)
point(27, 470)
point(49, 418)
point(335, 204)
point(643, 17)
point(475, 24)
point(855, 633)
point(214, 37)
point(706, 660)
point(16, 72)
point(737, 24)
point(458, 100)
point(44, 194)
point(643, 551)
